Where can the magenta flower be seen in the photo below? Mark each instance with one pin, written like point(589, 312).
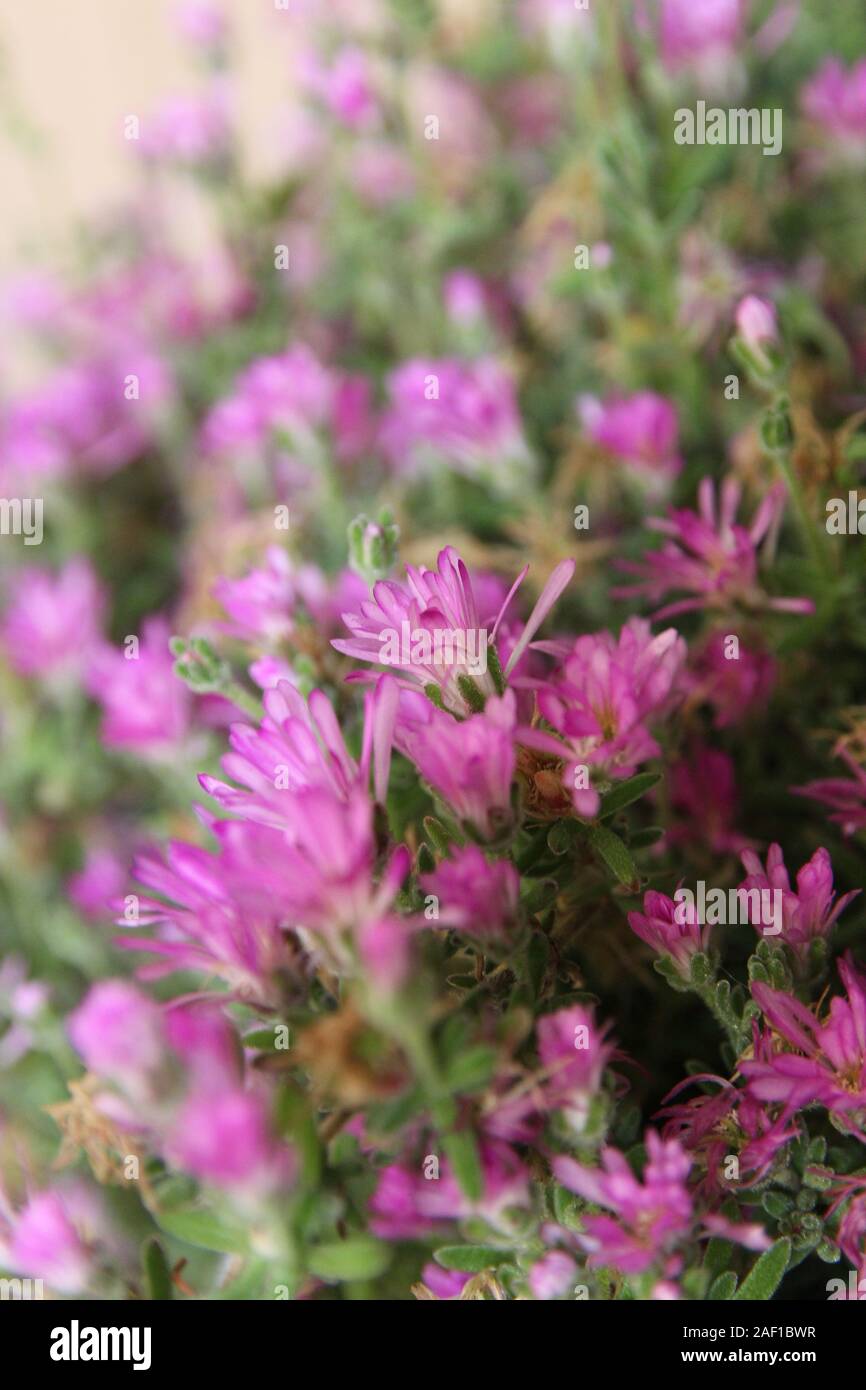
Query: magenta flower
point(189, 130)
point(444, 1283)
point(52, 623)
point(469, 763)
point(120, 1034)
point(464, 413)
point(756, 322)
point(430, 629)
point(407, 1204)
point(735, 682)
point(815, 1063)
point(671, 929)
point(807, 914)
point(650, 1217)
point(846, 796)
point(98, 883)
point(145, 705)
point(599, 703)
point(710, 557)
point(202, 23)
point(574, 1055)
point(224, 1137)
point(292, 393)
point(299, 744)
point(835, 99)
point(642, 430)
point(261, 604)
point(46, 1243)
point(701, 34)
point(552, 1276)
point(474, 894)
point(706, 820)
point(346, 87)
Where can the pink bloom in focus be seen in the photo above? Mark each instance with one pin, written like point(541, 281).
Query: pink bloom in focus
point(807, 915)
point(671, 929)
point(440, 606)
point(52, 623)
point(469, 764)
point(815, 1063)
point(145, 705)
point(599, 703)
point(474, 895)
point(709, 556)
point(642, 430)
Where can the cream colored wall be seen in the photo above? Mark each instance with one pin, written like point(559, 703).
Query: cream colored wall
point(72, 69)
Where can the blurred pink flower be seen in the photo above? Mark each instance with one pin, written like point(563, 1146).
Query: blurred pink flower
point(52, 623)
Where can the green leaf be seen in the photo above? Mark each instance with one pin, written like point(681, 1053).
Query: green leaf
point(624, 793)
point(719, 1254)
point(357, 1257)
point(472, 1069)
point(724, 1287)
point(157, 1275)
point(202, 1227)
point(468, 1259)
point(765, 1276)
point(462, 1149)
point(615, 854)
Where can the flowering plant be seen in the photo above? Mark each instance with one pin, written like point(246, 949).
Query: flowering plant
point(434, 756)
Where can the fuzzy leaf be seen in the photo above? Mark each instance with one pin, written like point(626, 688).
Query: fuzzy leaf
point(357, 1257)
point(462, 1149)
point(157, 1275)
point(199, 1226)
point(626, 792)
point(468, 1259)
point(615, 854)
point(766, 1274)
point(724, 1287)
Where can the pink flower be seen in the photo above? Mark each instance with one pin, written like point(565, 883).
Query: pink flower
point(381, 174)
point(671, 929)
point(119, 1033)
point(835, 99)
point(464, 297)
point(299, 744)
point(815, 1063)
point(462, 413)
point(650, 1217)
point(642, 430)
point(292, 393)
point(225, 1138)
point(574, 1055)
point(807, 915)
point(736, 681)
point(407, 1205)
point(700, 33)
point(846, 796)
point(474, 894)
point(145, 705)
point(46, 1244)
point(430, 629)
point(346, 88)
point(709, 556)
point(469, 764)
point(101, 880)
point(202, 23)
point(552, 1276)
point(599, 703)
point(756, 321)
point(52, 624)
point(704, 799)
point(444, 1283)
point(190, 130)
